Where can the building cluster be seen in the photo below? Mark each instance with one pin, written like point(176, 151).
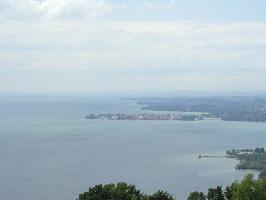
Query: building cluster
point(145, 116)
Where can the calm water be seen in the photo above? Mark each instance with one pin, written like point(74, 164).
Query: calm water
point(48, 151)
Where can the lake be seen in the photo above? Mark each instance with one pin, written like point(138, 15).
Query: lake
point(48, 151)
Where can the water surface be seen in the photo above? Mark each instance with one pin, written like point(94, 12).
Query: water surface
point(48, 151)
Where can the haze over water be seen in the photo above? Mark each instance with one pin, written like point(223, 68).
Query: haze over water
point(49, 151)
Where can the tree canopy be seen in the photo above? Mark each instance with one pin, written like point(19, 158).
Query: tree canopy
point(247, 189)
point(121, 191)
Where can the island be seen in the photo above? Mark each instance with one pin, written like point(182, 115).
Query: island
point(148, 116)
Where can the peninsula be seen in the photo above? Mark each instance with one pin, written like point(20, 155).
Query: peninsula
point(254, 159)
point(250, 159)
point(227, 108)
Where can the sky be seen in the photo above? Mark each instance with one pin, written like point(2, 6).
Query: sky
point(66, 46)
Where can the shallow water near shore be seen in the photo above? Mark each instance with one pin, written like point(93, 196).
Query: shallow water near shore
point(48, 151)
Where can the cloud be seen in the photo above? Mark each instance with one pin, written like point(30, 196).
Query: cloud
point(181, 46)
point(53, 9)
point(75, 37)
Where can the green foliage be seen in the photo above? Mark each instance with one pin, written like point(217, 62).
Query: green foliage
point(112, 192)
point(260, 189)
point(247, 189)
point(196, 196)
point(215, 193)
point(228, 193)
point(250, 189)
point(121, 191)
point(161, 195)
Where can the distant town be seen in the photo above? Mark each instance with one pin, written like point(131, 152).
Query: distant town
point(227, 108)
point(145, 116)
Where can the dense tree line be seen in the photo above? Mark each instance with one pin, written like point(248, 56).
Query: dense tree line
point(247, 189)
point(121, 191)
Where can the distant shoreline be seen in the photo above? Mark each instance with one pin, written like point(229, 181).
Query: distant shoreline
point(226, 108)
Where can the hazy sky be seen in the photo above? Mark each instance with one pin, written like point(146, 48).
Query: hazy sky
point(120, 45)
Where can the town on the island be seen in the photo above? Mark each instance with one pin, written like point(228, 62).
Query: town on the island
point(149, 116)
